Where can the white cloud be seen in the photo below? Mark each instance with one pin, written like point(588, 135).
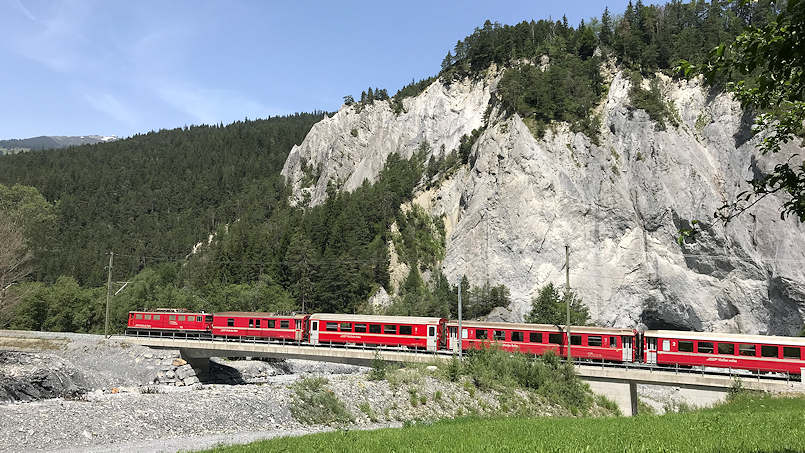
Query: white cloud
point(110, 105)
point(212, 105)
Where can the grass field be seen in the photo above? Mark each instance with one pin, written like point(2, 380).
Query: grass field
point(747, 424)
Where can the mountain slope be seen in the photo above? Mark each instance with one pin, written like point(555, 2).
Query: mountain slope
point(51, 142)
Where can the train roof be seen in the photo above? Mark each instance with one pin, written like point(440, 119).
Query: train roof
point(543, 327)
point(156, 312)
point(376, 318)
point(259, 314)
point(731, 337)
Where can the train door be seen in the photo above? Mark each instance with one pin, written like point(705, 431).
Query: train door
point(453, 340)
point(298, 329)
point(432, 338)
point(651, 350)
point(627, 348)
point(314, 332)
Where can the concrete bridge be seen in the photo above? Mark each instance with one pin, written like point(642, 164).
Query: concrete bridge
point(618, 383)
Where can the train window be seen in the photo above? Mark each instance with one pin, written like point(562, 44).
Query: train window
point(208, 319)
point(555, 338)
point(464, 333)
point(271, 323)
point(431, 331)
point(405, 330)
point(172, 318)
point(575, 340)
point(685, 346)
point(374, 328)
point(139, 316)
point(535, 337)
point(198, 318)
point(251, 323)
point(594, 340)
point(705, 347)
point(747, 349)
point(791, 352)
point(285, 324)
point(360, 328)
point(230, 322)
point(480, 334)
point(613, 342)
point(769, 351)
point(315, 325)
point(148, 317)
point(666, 345)
point(517, 336)
point(331, 326)
point(257, 323)
point(181, 318)
point(156, 317)
point(298, 323)
point(390, 329)
point(726, 348)
point(500, 335)
point(346, 327)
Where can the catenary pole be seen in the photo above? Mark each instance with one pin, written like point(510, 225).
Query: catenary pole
point(460, 341)
point(108, 294)
point(567, 299)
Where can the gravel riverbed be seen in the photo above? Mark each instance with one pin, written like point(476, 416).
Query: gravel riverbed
point(121, 397)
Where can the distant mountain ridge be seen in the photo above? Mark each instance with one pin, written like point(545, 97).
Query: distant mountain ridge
point(51, 142)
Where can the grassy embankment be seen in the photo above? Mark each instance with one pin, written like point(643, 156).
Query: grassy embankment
point(746, 424)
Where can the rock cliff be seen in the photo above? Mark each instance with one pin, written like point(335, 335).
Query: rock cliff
point(618, 205)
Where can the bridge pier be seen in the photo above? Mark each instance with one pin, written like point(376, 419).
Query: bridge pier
point(622, 393)
point(201, 365)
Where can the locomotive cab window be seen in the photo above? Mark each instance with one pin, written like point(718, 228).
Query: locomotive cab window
point(705, 347)
point(575, 340)
point(405, 330)
point(769, 351)
point(535, 337)
point(517, 336)
point(156, 317)
point(555, 338)
point(726, 348)
point(360, 328)
point(685, 346)
point(285, 324)
point(374, 328)
point(500, 335)
point(208, 318)
point(331, 326)
point(172, 318)
point(790, 352)
point(148, 317)
point(390, 329)
point(346, 327)
point(198, 318)
point(480, 334)
point(594, 340)
point(138, 316)
point(230, 322)
point(747, 349)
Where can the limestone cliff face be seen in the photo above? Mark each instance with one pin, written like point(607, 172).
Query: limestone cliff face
point(618, 206)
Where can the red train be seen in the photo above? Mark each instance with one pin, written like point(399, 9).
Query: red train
point(651, 347)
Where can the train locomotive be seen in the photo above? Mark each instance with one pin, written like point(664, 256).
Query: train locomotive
point(662, 348)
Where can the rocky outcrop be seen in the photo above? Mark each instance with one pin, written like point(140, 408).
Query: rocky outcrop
point(618, 205)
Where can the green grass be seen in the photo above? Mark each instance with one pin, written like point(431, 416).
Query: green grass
point(746, 424)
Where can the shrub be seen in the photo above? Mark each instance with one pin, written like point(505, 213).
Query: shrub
point(378, 371)
point(316, 404)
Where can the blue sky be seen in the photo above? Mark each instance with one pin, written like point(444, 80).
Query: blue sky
point(115, 67)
